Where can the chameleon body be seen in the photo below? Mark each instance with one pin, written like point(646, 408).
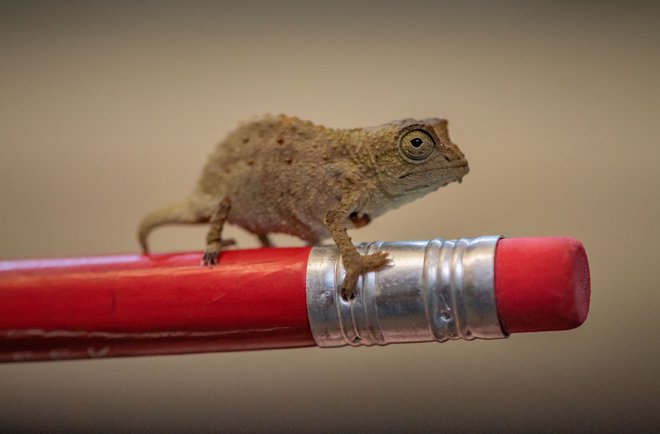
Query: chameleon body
point(280, 174)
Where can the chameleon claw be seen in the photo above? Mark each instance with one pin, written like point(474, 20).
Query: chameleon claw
point(210, 257)
point(347, 294)
point(358, 266)
point(213, 250)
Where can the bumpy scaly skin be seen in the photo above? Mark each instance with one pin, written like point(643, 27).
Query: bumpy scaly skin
point(285, 175)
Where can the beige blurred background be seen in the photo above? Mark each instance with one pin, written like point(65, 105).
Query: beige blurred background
point(109, 109)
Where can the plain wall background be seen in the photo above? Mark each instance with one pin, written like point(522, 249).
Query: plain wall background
point(109, 109)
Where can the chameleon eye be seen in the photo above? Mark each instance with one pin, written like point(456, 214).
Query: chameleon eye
point(416, 145)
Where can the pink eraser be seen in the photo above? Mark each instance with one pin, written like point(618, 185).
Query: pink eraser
point(541, 284)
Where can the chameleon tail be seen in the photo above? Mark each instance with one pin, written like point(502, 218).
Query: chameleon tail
point(182, 212)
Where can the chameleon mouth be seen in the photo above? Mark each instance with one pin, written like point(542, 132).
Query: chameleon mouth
point(413, 173)
point(443, 181)
point(433, 186)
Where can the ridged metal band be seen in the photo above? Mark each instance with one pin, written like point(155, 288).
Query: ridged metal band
point(434, 291)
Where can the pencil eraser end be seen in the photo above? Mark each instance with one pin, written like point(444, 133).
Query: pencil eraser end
point(541, 284)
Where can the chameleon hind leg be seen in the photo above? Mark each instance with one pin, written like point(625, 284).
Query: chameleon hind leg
point(265, 240)
point(214, 241)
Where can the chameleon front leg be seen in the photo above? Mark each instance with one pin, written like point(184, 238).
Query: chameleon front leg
point(214, 241)
point(355, 263)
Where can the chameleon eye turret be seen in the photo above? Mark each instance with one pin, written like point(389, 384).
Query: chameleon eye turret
point(416, 146)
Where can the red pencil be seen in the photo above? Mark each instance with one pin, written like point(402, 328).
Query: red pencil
point(486, 287)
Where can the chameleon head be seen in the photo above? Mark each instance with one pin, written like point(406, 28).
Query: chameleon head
point(415, 157)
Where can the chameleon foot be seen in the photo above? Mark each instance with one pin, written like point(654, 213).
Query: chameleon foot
point(212, 251)
point(358, 265)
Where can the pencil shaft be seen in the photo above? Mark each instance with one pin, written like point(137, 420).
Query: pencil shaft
point(164, 304)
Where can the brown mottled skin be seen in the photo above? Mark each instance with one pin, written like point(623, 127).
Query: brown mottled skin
point(282, 174)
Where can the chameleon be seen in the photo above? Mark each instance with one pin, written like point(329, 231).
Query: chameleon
point(281, 174)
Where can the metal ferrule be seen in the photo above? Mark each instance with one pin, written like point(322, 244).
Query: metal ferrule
point(432, 291)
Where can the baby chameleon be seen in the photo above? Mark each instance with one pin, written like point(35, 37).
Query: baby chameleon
point(285, 175)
